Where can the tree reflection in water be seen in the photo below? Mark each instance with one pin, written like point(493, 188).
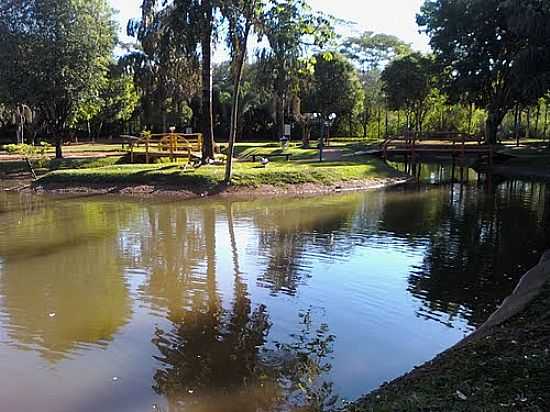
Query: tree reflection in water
point(217, 359)
point(477, 254)
point(61, 283)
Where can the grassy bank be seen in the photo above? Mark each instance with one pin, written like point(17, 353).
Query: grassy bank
point(509, 370)
point(45, 166)
point(277, 174)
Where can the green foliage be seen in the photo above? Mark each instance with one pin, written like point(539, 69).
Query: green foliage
point(54, 54)
point(291, 28)
point(27, 150)
point(115, 101)
point(372, 50)
point(165, 64)
point(335, 87)
point(492, 52)
point(408, 83)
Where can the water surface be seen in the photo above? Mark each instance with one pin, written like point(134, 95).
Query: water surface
point(115, 304)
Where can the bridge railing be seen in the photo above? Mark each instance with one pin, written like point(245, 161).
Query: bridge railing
point(452, 142)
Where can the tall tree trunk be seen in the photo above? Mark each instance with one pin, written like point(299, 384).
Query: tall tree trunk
point(516, 124)
point(470, 117)
point(494, 119)
point(545, 121)
point(207, 120)
point(385, 122)
point(237, 80)
point(280, 115)
point(398, 122)
point(528, 130)
point(307, 135)
point(379, 123)
point(234, 117)
point(58, 147)
point(537, 119)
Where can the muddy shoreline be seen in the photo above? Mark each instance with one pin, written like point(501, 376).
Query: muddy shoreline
point(222, 191)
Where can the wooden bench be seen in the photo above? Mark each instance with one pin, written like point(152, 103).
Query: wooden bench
point(266, 156)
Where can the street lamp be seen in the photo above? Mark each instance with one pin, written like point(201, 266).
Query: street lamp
point(325, 124)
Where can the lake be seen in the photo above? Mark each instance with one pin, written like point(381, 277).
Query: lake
point(117, 304)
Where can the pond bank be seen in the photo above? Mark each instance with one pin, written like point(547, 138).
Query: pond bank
point(243, 192)
point(250, 180)
point(502, 366)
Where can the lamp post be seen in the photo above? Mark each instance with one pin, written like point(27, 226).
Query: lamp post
point(325, 124)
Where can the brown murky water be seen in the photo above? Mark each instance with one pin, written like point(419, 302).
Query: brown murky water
point(110, 304)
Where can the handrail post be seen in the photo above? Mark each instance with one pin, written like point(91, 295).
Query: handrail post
point(463, 153)
point(172, 146)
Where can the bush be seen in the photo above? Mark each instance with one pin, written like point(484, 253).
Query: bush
point(28, 150)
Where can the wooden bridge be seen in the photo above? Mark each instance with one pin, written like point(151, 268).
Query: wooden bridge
point(170, 145)
point(455, 145)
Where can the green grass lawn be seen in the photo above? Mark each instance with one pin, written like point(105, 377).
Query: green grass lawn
point(246, 150)
point(44, 166)
point(245, 174)
point(90, 148)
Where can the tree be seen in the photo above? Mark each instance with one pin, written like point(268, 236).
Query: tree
point(206, 28)
point(53, 55)
point(165, 63)
point(492, 52)
point(241, 15)
point(172, 35)
point(115, 102)
point(372, 50)
point(408, 82)
point(335, 88)
point(291, 28)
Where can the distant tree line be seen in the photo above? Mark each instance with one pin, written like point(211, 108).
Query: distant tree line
point(489, 73)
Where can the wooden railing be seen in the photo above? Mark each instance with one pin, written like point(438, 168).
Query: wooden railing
point(170, 145)
point(442, 143)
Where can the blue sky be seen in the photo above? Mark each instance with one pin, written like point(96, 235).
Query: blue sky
point(395, 17)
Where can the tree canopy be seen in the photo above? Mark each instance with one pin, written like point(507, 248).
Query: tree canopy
point(491, 52)
point(54, 55)
point(408, 82)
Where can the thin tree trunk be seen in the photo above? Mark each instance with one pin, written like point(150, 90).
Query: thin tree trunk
point(516, 124)
point(398, 122)
point(546, 120)
point(234, 116)
point(207, 120)
point(379, 121)
point(528, 130)
point(280, 116)
point(470, 118)
point(537, 119)
point(385, 122)
point(238, 74)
